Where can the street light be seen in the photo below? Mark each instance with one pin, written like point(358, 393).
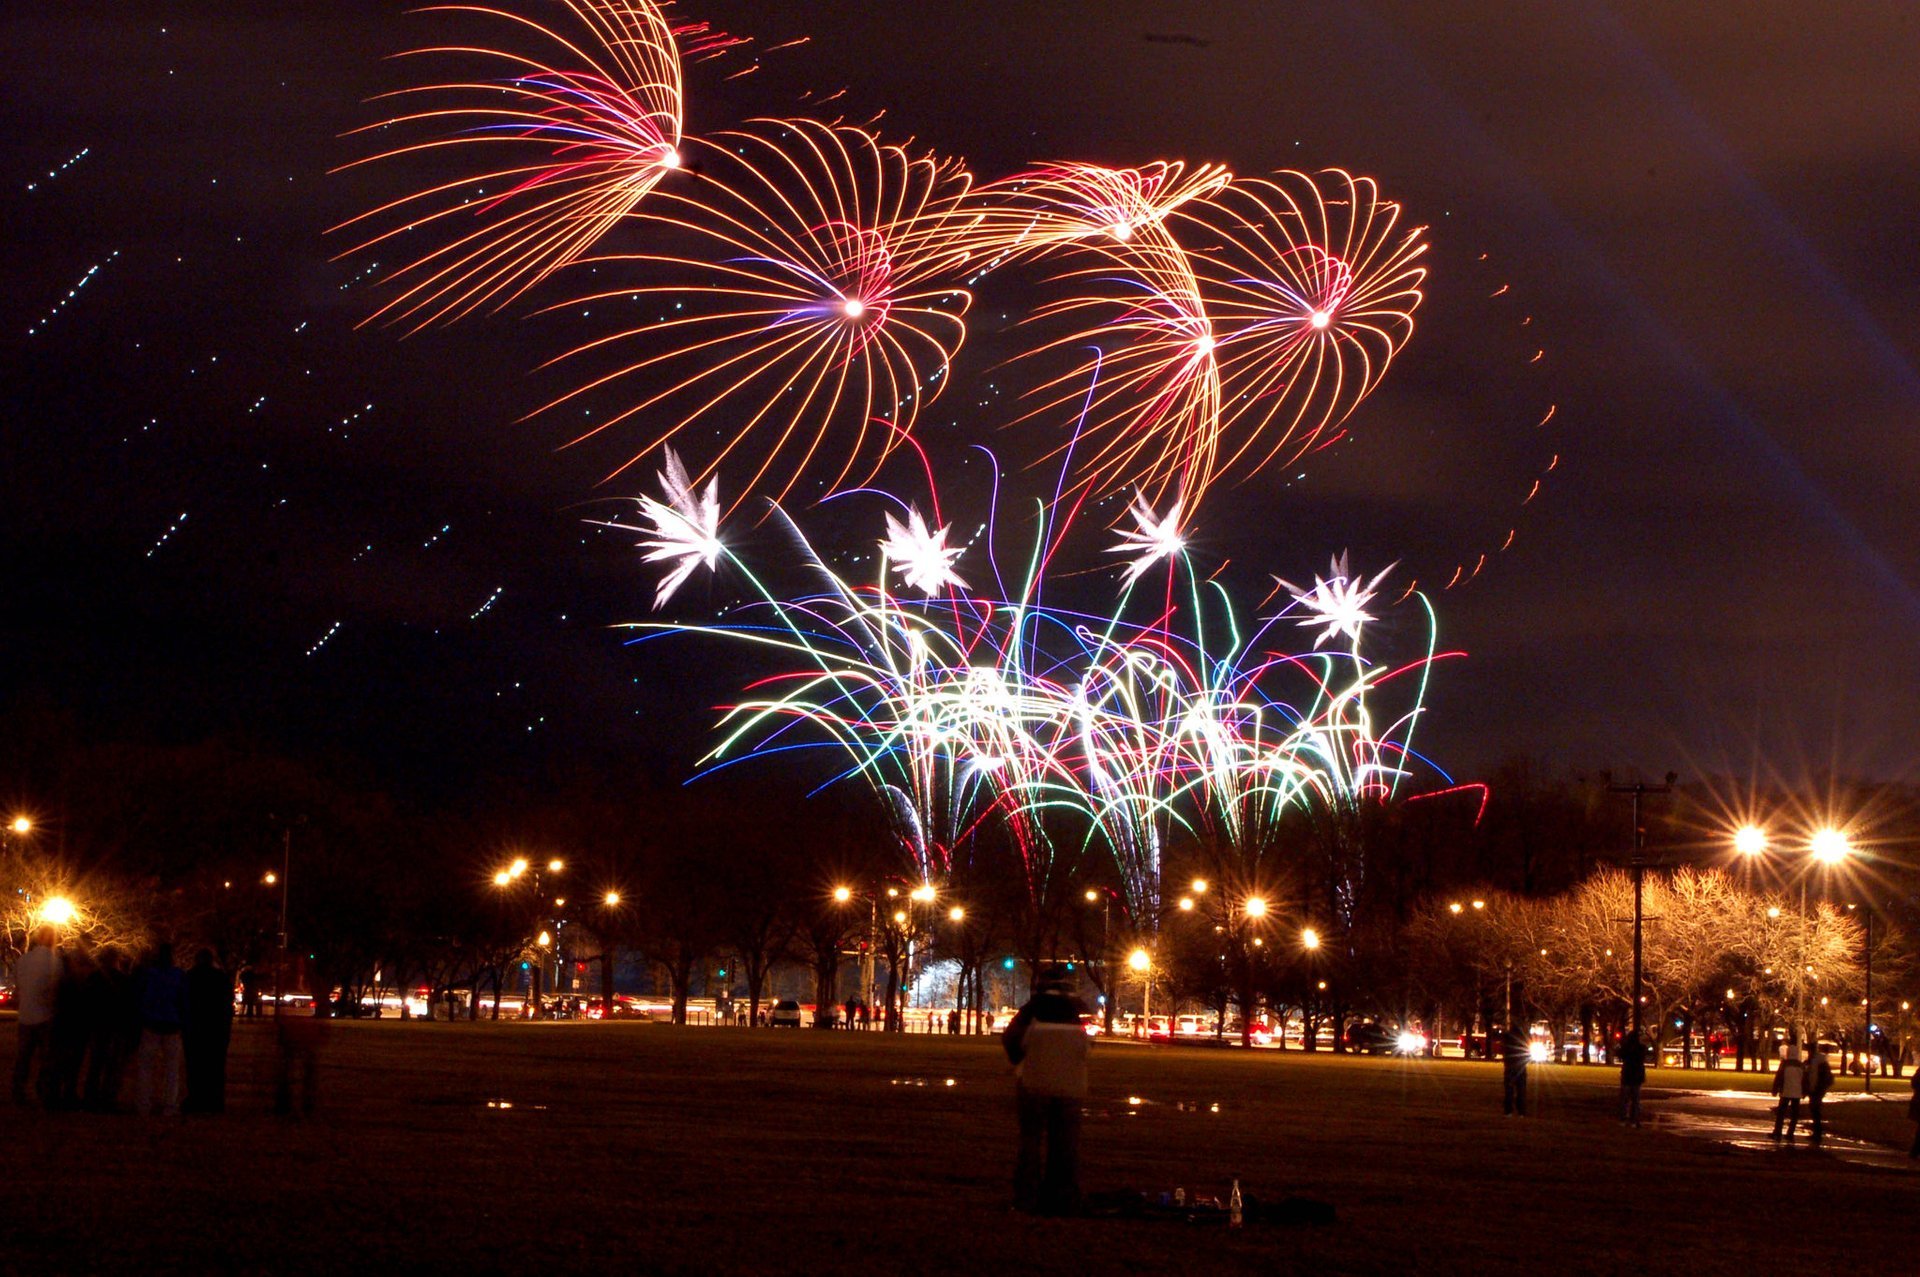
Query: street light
point(1199, 886)
point(22, 825)
point(1829, 846)
point(956, 914)
point(555, 865)
point(57, 910)
point(1750, 840)
point(842, 894)
point(611, 899)
point(1309, 939)
point(1255, 907)
point(924, 893)
point(1142, 961)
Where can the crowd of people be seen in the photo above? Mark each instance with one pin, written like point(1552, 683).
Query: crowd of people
point(90, 1021)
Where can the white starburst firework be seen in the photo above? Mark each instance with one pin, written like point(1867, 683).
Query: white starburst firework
point(1151, 539)
point(1338, 600)
point(923, 559)
point(686, 527)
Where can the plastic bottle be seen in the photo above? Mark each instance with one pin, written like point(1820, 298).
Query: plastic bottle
point(1234, 1205)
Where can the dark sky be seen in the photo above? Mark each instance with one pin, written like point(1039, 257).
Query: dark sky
point(226, 510)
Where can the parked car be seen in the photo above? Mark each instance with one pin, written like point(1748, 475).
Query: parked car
point(786, 1014)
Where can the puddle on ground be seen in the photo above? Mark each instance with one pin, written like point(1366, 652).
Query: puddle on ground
point(1743, 1120)
point(1138, 1104)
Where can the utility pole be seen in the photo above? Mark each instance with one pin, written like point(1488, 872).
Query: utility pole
point(1639, 790)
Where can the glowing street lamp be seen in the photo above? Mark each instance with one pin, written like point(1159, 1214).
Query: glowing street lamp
point(1142, 962)
point(22, 825)
point(1255, 907)
point(555, 865)
point(1750, 840)
point(611, 899)
point(1199, 886)
point(1186, 904)
point(1455, 907)
point(924, 893)
point(956, 914)
point(518, 867)
point(842, 894)
point(57, 910)
point(1309, 939)
point(1830, 846)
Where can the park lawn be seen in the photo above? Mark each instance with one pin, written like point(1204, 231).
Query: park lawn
point(644, 1148)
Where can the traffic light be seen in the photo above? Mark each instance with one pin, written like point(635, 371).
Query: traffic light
point(1006, 964)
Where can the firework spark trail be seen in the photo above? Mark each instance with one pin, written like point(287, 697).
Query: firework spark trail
point(1311, 285)
point(1134, 302)
point(815, 311)
point(585, 137)
point(54, 173)
point(39, 325)
point(969, 708)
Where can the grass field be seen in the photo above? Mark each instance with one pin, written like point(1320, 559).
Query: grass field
point(643, 1148)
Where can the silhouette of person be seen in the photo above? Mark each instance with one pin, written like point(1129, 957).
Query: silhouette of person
point(1633, 1076)
point(1913, 1115)
point(161, 996)
point(209, 1028)
point(1819, 1082)
point(1048, 1046)
point(1517, 1054)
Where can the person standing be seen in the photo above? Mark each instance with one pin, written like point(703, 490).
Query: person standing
point(161, 995)
point(1789, 1083)
point(1517, 1054)
point(36, 991)
point(1048, 1047)
point(107, 999)
point(72, 1025)
point(1633, 1076)
point(1819, 1082)
point(250, 994)
point(209, 1028)
point(1913, 1115)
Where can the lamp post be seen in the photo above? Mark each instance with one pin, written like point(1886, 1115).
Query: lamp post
point(1827, 846)
point(519, 870)
point(1639, 790)
point(1142, 961)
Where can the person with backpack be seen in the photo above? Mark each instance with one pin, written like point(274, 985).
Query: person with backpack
point(1819, 1082)
point(1048, 1047)
point(1633, 1076)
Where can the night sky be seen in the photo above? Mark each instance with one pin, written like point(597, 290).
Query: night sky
point(226, 510)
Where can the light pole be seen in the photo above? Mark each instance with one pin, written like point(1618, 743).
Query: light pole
point(286, 873)
point(1827, 846)
point(520, 869)
point(1639, 790)
point(1142, 961)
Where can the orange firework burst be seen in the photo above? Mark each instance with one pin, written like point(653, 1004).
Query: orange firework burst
point(805, 289)
point(583, 127)
point(1311, 286)
point(1143, 389)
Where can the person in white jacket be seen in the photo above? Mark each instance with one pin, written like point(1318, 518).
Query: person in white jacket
point(36, 981)
point(1048, 1046)
point(1790, 1084)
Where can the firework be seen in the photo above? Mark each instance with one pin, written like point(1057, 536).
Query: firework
point(1311, 285)
point(975, 706)
point(800, 297)
point(1142, 386)
point(575, 131)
